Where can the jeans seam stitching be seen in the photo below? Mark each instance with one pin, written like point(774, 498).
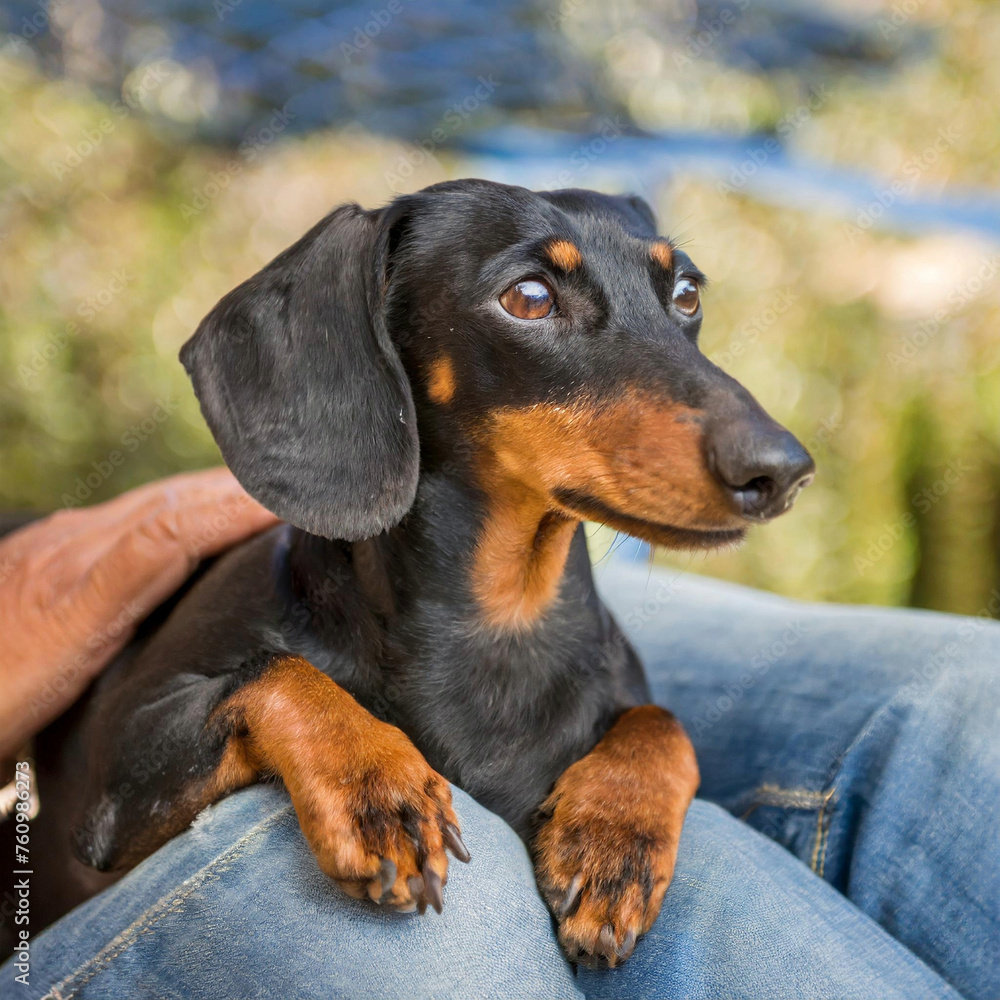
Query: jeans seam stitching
point(826, 837)
point(788, 798)
point(168, 904)
point(818, 862)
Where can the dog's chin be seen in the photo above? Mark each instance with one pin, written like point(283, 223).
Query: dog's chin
point(668, 536)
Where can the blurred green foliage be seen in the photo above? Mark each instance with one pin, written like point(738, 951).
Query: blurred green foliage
point(114, 245)
point(879, 351)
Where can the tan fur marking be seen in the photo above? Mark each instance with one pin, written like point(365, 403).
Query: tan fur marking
point(520, 557)
point(441, 381)
point(564, 254)
point(662, 253)
point(640, 457)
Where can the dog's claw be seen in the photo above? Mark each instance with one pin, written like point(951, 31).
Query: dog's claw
point(571, 896)
point(627, 946)
point(416, 885)
point(453, 840)
point(432, 885)
point(387, 874)
point(606, 942)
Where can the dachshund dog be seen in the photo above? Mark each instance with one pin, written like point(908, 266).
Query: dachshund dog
point(434, 396)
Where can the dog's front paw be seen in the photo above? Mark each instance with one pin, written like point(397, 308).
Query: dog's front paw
point(603, 860)
point(379, 818)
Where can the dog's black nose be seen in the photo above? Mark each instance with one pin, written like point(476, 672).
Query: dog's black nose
point(763, 467)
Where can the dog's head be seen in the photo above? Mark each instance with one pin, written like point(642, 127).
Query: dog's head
point(547, 340)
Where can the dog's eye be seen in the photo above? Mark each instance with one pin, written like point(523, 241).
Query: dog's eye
point(531, 299)
point(686, 296)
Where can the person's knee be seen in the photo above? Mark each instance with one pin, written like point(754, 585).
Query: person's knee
point(245, 875)
point(958, 672)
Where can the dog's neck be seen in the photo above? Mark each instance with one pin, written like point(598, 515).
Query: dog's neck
point(501, 552)
point(498, 559)
point(519, 558)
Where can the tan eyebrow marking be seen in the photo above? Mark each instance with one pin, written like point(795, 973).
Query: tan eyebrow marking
point(564, 254)
point(662, 253)
point(441, 381)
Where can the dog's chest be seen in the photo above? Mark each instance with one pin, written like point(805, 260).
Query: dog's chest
point(503, 717)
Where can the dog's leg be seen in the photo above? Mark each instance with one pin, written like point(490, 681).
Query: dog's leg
point(375, 814)
point(607, 837)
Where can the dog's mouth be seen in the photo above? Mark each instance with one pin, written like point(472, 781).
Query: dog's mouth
point(668, 535)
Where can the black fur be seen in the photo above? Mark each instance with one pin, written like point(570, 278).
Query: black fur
point(311, 376)
point(284, 363)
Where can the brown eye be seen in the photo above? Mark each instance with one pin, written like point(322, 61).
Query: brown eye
point(528, 300)
point(686, 296)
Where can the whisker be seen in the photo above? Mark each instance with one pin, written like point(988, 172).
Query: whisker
point(624, 539)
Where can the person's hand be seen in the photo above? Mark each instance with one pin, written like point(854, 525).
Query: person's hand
point(75, 586)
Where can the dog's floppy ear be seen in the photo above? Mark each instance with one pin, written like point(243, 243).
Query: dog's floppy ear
point(303, 389)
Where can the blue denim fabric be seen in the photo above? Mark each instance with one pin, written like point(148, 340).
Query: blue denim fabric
point(865, 742)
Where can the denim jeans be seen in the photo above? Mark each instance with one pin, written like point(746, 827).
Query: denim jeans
point(844, 843)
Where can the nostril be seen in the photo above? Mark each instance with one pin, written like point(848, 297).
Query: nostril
point(759, 484)
point(756, 495)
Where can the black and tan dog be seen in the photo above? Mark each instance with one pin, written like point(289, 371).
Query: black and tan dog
point(434, 396)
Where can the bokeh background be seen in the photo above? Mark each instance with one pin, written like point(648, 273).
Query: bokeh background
point(834, 165)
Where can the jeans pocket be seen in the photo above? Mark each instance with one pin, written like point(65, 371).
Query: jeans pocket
point(797, 818)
